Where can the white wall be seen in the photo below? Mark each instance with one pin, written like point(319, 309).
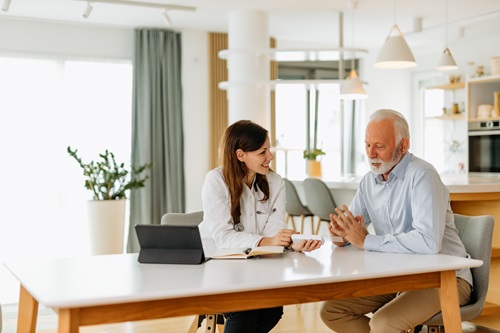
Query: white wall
point(196, 114)
point(77, 40)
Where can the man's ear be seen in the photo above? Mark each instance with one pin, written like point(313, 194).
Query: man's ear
point(240, 155)
point(405, 143)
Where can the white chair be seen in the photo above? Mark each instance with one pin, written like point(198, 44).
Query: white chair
point(294, 207)
point(214, 322)
point(319, 200)
point(476, 233)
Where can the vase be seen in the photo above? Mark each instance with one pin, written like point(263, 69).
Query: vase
point(314, 168)
point(106, 226)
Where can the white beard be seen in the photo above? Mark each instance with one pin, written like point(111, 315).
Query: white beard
point(385, 166)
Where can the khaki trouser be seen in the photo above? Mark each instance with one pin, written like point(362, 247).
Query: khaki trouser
point(392, 313)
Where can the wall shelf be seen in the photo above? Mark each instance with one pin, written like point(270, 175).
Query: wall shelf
point(450, 86)
point(449, 117)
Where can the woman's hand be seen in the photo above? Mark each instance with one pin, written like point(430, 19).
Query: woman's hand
point(282, 238)
point(307, 245)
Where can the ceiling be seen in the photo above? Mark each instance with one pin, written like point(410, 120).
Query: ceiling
point(302, 23)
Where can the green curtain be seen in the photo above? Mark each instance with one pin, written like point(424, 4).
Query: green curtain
point(157, 135)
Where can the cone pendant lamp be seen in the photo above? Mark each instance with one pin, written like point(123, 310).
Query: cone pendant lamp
point(352, 87)
point(395, 53)
point(446, 63)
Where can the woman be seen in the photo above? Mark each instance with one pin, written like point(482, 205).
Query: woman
point(244, 206)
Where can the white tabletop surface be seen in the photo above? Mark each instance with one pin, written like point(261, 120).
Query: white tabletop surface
point(99, 280)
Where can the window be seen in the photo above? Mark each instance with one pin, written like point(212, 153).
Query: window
point(295, 121)
point(47, 105)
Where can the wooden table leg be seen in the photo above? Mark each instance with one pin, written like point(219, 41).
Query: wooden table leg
point(27, 312)
point(450, 306)
point(69, 321)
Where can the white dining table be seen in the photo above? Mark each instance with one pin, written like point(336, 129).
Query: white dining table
point(117, 288)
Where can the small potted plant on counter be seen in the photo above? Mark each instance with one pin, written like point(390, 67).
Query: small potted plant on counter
point(314, 164)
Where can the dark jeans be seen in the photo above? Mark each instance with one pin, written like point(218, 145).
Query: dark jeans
point(252, 321)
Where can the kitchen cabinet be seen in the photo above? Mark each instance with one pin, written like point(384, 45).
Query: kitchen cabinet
point(481, 91)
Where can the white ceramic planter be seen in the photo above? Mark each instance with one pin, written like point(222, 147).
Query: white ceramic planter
point(106, 226)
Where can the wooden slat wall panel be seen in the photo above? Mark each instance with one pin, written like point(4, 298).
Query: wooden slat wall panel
point(218, 117)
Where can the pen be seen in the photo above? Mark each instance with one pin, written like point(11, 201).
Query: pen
point(247, 251)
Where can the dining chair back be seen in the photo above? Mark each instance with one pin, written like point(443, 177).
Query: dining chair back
point(319, 199)
point(476, 233)
point(294, 207)
point(213, 321)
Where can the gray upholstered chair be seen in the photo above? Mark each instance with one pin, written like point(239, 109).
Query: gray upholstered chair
point(295, 207)
point(319, 200)
point(214, 321)
point(476, 233)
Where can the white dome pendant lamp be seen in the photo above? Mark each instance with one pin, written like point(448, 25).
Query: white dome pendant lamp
point(446, 63)
point(352, 87)
point(395, 53)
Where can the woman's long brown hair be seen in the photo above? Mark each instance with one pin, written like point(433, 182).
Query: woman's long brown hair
point(247, 136)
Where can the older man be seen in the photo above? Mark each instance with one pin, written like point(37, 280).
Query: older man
point(405, 200)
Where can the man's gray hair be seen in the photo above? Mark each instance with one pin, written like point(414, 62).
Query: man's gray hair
point(400, 123)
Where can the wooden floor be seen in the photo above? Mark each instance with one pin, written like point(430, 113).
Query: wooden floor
point(303, 319)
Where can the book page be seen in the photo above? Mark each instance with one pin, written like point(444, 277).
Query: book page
point(243, 253)
point(262, 250)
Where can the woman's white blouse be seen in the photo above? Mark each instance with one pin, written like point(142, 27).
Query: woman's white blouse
point(259, 219)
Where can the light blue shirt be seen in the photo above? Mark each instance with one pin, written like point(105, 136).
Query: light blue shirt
point(410, 212)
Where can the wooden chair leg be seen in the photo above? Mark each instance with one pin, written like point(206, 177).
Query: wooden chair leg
point(302, 219)
point(318, 226)
point(290, 217)
point(194, 325)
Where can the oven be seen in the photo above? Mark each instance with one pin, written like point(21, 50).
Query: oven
point(484, 147)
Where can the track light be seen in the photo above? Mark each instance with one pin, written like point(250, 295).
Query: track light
point(6, 5)
point(167, 19)
point(88, 9)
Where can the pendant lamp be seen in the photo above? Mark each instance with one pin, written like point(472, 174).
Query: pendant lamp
point(395, 53)
point(446, 63)
point(352, 87)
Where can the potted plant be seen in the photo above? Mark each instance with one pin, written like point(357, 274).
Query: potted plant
point(314, 165)
point(109, 183)
point(313, 154)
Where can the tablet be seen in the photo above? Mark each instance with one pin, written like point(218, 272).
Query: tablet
point(169, 244)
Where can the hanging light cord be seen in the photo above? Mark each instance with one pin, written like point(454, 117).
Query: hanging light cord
point(446, 25)
point(395, 12)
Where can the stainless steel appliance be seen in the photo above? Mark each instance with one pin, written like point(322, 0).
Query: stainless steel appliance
point(484, 146)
